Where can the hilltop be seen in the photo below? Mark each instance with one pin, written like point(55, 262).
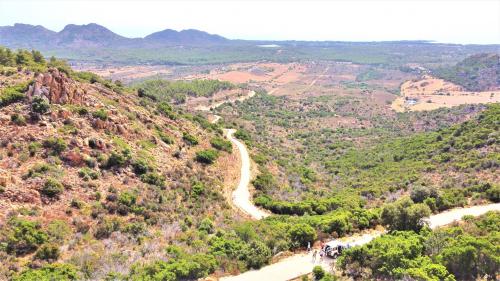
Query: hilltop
point(480, 72)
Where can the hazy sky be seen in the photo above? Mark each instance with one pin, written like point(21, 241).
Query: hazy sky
point(456, 21)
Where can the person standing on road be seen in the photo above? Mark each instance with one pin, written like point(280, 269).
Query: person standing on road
point(308, 247)
point(314, 256)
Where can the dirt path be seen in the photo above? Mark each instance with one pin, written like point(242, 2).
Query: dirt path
point(301, 264)
point(219, 103)
point(241, 195)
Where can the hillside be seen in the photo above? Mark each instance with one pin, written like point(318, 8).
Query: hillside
point(479, 72)
point(89, 171)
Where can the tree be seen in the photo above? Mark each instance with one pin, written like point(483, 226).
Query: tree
point(302, 233)
point(405, 215)
point(257, 254)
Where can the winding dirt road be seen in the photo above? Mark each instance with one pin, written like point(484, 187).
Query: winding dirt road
point(301, 264)
point(241, 195)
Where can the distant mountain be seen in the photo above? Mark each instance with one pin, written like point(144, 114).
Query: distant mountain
point(479, 72)
point(89, 35)
point(94, 35)
point(25, 35)
point(187, 37)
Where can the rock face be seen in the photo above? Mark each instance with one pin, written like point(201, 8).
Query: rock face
point(56, 87)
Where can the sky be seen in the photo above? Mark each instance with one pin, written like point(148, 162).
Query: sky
point(447, 21)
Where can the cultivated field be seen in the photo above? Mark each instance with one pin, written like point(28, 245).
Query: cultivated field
point(430, 93)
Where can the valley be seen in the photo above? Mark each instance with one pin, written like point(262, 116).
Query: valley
point(184, 155)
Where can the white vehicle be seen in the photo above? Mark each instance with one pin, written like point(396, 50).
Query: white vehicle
point(334, 248)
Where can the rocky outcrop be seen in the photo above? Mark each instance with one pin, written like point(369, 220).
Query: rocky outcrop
point(57, 88)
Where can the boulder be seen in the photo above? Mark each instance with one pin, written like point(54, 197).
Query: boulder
point(57, 88)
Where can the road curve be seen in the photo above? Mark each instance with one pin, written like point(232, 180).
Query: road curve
point(241, 195)
point(301, 264)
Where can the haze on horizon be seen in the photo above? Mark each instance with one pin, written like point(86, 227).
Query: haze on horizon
point(464, 22)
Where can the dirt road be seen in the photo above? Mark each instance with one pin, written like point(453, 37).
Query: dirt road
point(241, 196)
point(219, 103)
point(301, 264)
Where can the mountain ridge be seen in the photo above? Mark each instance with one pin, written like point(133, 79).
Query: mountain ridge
point(22, 35)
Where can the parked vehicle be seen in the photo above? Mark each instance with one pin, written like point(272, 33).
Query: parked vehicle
point(334, 248)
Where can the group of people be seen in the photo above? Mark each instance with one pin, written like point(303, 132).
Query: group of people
point(315, 253)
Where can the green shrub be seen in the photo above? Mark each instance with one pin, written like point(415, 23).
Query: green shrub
point(88, 174)
point(405, 215)
point(165, 138)
point(52, 188)
point(221, 144)
point(18, 119)
point(190, 139)
point(117, 160)
point(207, 156)
point(48, 252)
point(51, 272)
point(167, 110)
point(242, 135)
point(12, 94)
point(318, 272)
point(100, 114)
point(23, 236)
point(141, 167)
point(257, 254)
point(206, 225)
point(301, 234)
point(154, 179)
point(57, 145)
point(40, 105)
point(106, 227)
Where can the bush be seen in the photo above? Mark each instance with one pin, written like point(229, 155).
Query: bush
point(206, 225)
point(207, 156)
point(257, 254)
point(18, 119)
point(165, 138)
point(141, 167)
point(154, 179)
point(167, 110)
point(87, 174)
point(57, 145)
point(48, 252)
point(221, 144)
point(40, 105)
point(190, 139)
point(265, 181)
point(405, 215)
point(100, 114)
point(318, 272)
point(117, 160)
point(23, 236)
point(52, 188)
point(52, 272)
point(12, 94)
point(106, 227)
point(301, 234)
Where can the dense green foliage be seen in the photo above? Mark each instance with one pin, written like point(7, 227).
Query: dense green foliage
point(178, 91)
point(207, 156)
point(317, 164)
point(12, 94)
point(52, 272)
point(23, 236)
point(479, 72)
point(221, 144)
point(463, 252)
